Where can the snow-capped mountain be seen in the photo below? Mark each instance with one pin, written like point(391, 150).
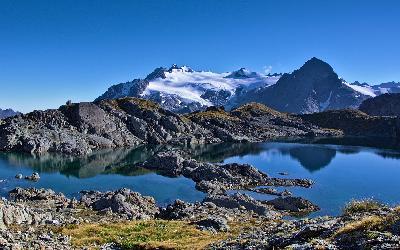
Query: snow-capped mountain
point(8, 113)
point(314, 87)
point(181, 89)
point(375, 90)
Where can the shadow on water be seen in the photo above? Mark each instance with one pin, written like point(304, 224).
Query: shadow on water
point(312, 154)
point(115, 161)
point(352, 166)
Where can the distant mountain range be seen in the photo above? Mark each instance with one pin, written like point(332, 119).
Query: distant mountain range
point(181, 89)
point(315, 87)
point(375, 90)
point(8, 113)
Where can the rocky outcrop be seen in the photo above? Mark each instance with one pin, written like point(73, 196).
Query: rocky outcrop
point(215, 178)
point(293, 204)
point(243, 202)
point(213, 223)
point(17, 214)
point(383, 105)
point(123, 202)
point(254, 122)
point(83, 127)
point(356, 123)
point(34, 194)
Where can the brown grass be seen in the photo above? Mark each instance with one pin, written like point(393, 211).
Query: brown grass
point(361, 206)
point(254, 107)
point(213, 114)
point(142, 234)
point(366, 223)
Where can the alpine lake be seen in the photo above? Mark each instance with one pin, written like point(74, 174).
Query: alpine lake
point(342, 169)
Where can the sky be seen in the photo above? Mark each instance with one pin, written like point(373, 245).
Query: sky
point(53, 51)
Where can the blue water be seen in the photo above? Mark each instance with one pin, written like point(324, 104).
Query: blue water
point(103, 171)
point(341, 173)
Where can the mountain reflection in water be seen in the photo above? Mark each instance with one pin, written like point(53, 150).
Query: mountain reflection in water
point(312, 157)
point(340, 172)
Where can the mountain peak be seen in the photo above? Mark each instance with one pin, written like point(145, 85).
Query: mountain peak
point(315, 61)
point(176, 68)
point(242, 73)
point(318, 68)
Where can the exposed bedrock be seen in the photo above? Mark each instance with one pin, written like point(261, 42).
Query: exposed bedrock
point(80, 128)
point(216, 178)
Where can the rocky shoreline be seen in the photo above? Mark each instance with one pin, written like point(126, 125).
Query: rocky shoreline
point(43, 219)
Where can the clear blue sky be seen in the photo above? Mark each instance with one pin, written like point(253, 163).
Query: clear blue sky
point(51, 51)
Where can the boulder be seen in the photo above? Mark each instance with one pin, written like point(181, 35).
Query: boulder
point(123, 201)
point(213, 223)
point(293, 204)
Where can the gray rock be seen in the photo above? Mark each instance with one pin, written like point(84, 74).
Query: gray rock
point(34, 194)
point(213, 224)
point(123, 201)
point(239, 200)
point(293, 204)
point(33, 177)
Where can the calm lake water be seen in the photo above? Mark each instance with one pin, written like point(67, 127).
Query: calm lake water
point(341, 173)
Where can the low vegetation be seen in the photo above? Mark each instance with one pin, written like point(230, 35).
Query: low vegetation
point(255, 109)
point(142, 235)
point(361, 206)
point(215, 114)
point(366, 223)
point(141, 103)
point(369, 221)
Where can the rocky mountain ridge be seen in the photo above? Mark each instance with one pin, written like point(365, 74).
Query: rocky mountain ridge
point(80, 128)
point(383, 105)
point(181, 89)
point(83, 127)
point(315, 87)
point(4, 113)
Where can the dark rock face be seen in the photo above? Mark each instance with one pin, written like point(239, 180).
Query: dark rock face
point(383, 105)
point(313, 88)
point(8, 113)
point(83, 127)
point(356, 123)
point(217, 97)
point(133, 89)
point(124, 202)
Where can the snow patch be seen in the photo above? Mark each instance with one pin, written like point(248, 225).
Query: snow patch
point(365, 90)
point(324, 105)
point(190, 85)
